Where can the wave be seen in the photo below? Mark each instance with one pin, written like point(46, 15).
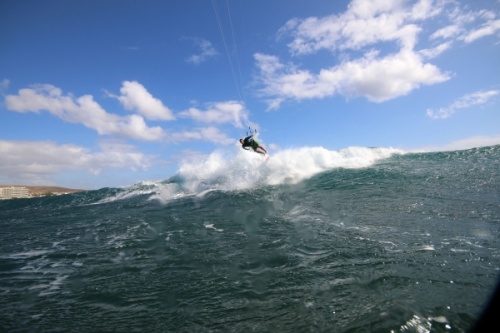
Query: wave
point(246, 170)
point(242, 170)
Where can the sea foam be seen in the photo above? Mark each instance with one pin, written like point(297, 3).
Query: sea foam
point(237, 169)
point(243, 170)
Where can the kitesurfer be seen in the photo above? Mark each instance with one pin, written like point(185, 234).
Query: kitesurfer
point(250, 142)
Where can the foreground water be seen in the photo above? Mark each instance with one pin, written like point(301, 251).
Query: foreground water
point(308, 240)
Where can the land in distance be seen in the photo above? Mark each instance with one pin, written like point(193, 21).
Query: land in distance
point(46, 190)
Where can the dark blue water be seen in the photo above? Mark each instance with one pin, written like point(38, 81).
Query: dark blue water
point(309, 240)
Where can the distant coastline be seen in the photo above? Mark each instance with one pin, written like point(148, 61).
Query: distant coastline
point(41, 191)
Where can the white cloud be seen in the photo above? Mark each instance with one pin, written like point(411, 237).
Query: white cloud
point(425, 9)
point(435, 51)
point(365, 23)
point(206, 51)
point(446, 32)
point(362, 27)
point(223, 112)
point(467, 143)
point(274, 104)
point(478, 97)
point(487, 29)
point(82, 110)
point(465, 27)
point(290, 83)
point(134, 97)
point(210, 134)
point(376, 78)
point(37, 162)
point(381, 79)
point(377, 46)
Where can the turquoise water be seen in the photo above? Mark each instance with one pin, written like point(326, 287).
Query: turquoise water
point(308, 240)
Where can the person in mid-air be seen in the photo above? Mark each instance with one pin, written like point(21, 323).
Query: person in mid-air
point(250, 142)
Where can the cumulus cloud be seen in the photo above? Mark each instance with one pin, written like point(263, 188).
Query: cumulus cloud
point(222, 112)
point(206, 51)
point(36, 162)
point(478, 97)
point(365, 23)
point(134, 97)
point(376, 78)
point(377, 43)
point(82, 110)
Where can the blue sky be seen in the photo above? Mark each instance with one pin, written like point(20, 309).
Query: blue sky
point(111, 93)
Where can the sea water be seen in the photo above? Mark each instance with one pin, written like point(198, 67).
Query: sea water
point(306, 240)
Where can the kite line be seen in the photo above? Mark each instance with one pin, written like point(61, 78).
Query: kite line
point(239, 89)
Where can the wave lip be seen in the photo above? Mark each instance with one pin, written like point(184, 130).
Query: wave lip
point(292, 166)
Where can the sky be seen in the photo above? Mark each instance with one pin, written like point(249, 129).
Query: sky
point(112, 93)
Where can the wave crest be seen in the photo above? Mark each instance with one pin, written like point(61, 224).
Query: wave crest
point(241, 170)
point(245, 170)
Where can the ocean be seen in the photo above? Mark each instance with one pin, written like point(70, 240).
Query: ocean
point(307, 240)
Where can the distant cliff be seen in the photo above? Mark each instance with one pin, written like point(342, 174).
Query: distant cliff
point(37, 191)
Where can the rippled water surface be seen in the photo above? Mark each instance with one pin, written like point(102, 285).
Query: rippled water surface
point(359, 242)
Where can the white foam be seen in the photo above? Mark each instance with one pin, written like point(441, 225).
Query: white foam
point(28, 254)
point(54, 285)
point(244, 169)
point(132, 191)
point(167, 192)
point(239, 170)
point(211, 226)
point(440, 319)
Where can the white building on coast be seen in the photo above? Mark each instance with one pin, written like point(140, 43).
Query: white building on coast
point(14, 192)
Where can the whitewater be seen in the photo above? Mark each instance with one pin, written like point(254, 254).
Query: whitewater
point(305, 240)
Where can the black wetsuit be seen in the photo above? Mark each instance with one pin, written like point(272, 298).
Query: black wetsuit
point(250, 142)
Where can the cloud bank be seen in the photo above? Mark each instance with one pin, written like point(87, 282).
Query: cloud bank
point(36, 162)
point(134, 97)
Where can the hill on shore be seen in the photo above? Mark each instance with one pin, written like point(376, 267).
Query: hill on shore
point(45, 190)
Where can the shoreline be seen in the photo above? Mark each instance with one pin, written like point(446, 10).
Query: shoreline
point(37, 191)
